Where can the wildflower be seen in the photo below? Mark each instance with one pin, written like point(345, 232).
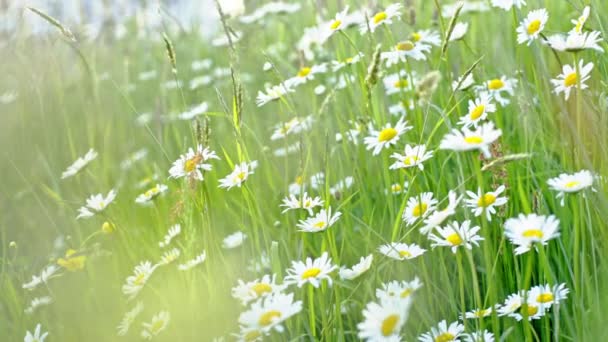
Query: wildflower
point(455, 235)
point(234, 240)
point(383, 322)
point(386, 137)
point(306, 74)
point(525, 231)
point(311, 271)
point(256, 289)
point(531, 27)
point(239, 175)
point(293, 126)
point(192, 163)
point(580, 22)
point(426, 37)
point(273, 93)
point(419, 207)
point(401, 251)
point(382, 17)
point(303, 202)
point(129, 318)
point(339, 22)
point(437, 217)
point(174, 231)
point(151, 194)
point(401, 108)
point(136, 282)
point(38, 302)
point(570, 78)
point(570, 183)
point(545, 295)
point(358, 269)
point(486, 202)
point(133, 158)
point(37, 336)
point(45, 275)
point(498, 87)
point(459, 31)
point(270, 312)
point(96, 204)
point(338, 65)
point(79, 164)
point(341, 186)
point(397, 188)
point(443, 333)
point(405, 49)
point(478, 111)
point(156, 326)
point(478, 313)
point(398, 290)
point(320, 222)
point(414, 156)
point(73, 261)
point(271, 8)
point(478, 336)
point(398, 82)
point(169, 256)
point(512, 304)
point(508, 4)
point(463, 83)
point(479, 139)
point(575, 42)
point(199, 259)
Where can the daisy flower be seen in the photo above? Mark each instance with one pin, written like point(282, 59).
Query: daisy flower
point(320, 222)
point(270, 312)
point(73, 260)
point(580, 22)
point(570, 183)
point(136, 282)
point(311, 271)
point(401, 251)
point(234, 240)
point(45, 275)
point(301, 202)
point(570, 78)
point(256, 289)
point(444, 333)
point(341, 186)
point(37, 336)
point(306, 74)
point(455, 235)
point(358, 269)
point(545, 295)
point(158, 323)
point(463, 84)
point(486, 202)
point(575, 42)
point(239, 175)
point(466, 140)
point(403, 50)
point(478, 336)
point(199, 259)
point(79, 164)
point(293, 126)
point(478, 313)
point(398, 82)
point(383, 322)
point(397, 188)
point(525, 231)
point(192, 163)
point(169, 256)
point(508, 4)
point(511, 305)
point(96, 204)
point(337, 65)
point(498, 87)
point(437, 217)
point(129, 318)
point(414, 156)
point(36, 303)
point(151, 194)
point(273, 93)
point(478, 111)
point(382, 17)
point(386, 137)
point(419, 207)
point(528, 308)
point(401, 108)
point(174, 231)
point(339, 22)
point(459, 31)
point(398, 290)
point(426, 37)
point(531, 27)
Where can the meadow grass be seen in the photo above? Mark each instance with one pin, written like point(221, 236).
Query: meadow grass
point(65, 107)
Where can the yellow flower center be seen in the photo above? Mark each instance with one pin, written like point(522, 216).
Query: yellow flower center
point(545, 298)
point(396, 188)
point(190, 164)
point(533, 233)
point(405, 254)
point(389, 324)
point(416, 36)
point(299, 180)
point(445, 337)
point(311, 273)
point(241, 175)
point(157, 326)
point(387, 134)
point(420, 209)
point(572, 184)
point(268, 317)
point(406, 293)
point(72, 263)
point(570, 79)
point(336, 24)
point(410, 160)
point(532, 310)
point(405, 46)
point(139, 279)
point(252, 335)
point(304, 72)
point(473, 140)
point(107, 228)
point(496, 84)
point(379, 17)
point(533, 27)
point(320, 225)
point(261, 288)
point(486, 200)
point(401, 84)
point(454, 239)
point(477, 112)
